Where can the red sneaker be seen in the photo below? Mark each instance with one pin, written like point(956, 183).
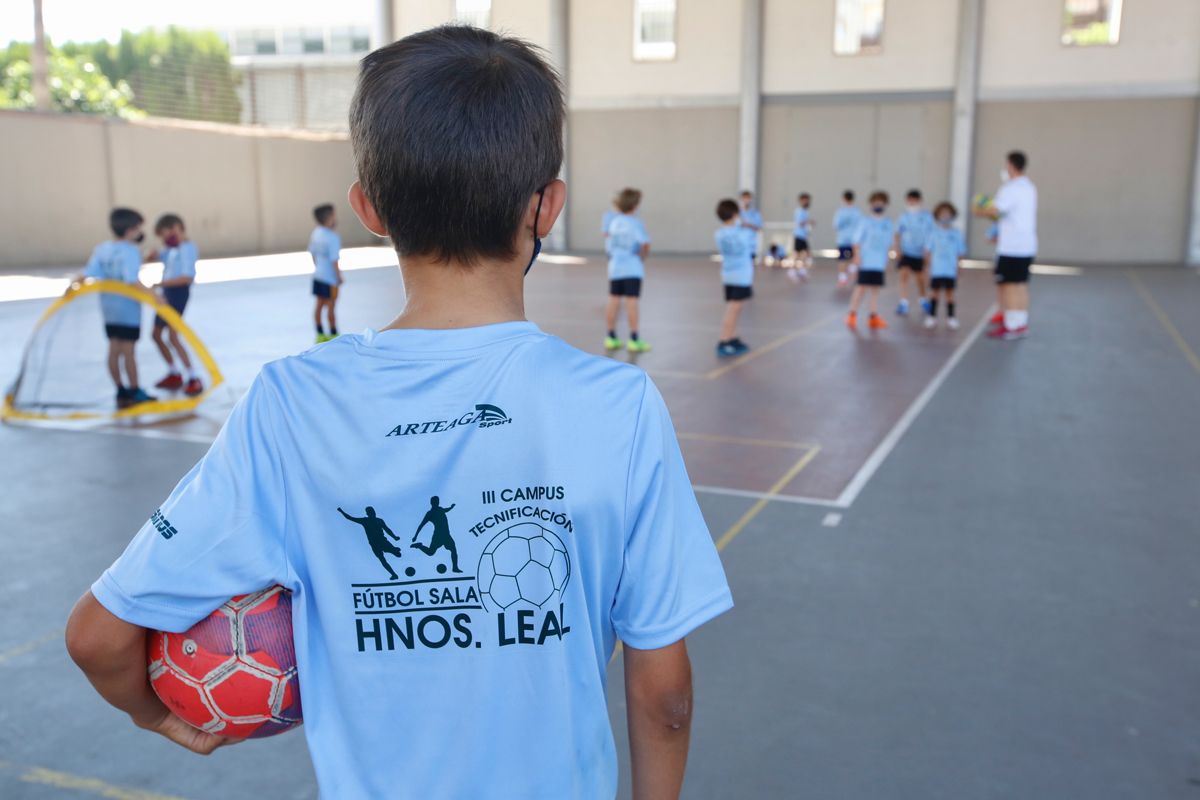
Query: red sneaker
point(997, 318)
point(193, 387)
point(1008, 334)
point(876, 323)
point(852, 320)
point(172, 382)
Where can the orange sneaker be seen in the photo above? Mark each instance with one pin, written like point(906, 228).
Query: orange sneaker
point(852, 320)
point(876, 323)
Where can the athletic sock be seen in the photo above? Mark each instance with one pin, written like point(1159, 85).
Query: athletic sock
point(612, 334)
point(333, 330)
point(949, 308)
point(632, 336)
point(933, 307)
point(1015, 319)
point(320, 330)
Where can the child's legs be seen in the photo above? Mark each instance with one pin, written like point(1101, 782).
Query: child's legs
point(114, 362)
point(873, 301)
point(948, 294)
point(160, 341)
point(125, 349)
point(922, 286)
point(320, 304)
point(610, 312)
point(855, 299)
point(631, 313)
point(733, 309)
point(904, 275)
point(184, 358)
point(1020, 297)
point(330, 314)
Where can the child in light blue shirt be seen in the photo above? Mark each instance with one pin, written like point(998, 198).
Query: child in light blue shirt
point(845, 224)
point(872, 247)
point(119, 259)
point(627, 245)
point(737, 275)
point(802, 225)
point(944, 249)
point(750, 219)
point(325, 247)
point(912, 230)
point(178, 256)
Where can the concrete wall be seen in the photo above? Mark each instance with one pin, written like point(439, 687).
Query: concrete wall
point(1109, 176)
point(825, 148)
point(684, 160)
point(239, 191)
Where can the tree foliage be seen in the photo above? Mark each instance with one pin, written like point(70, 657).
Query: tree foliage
point(75, 86)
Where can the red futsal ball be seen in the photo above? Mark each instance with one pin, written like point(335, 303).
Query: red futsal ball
point(234, 672)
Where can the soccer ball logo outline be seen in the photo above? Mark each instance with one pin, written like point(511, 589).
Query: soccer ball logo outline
point(523, 563)
point(234, 672)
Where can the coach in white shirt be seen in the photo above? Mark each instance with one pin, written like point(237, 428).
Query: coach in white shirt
point(1015, 210)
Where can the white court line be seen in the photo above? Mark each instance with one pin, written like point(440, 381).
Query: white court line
point(749, 495)
point(877, 457)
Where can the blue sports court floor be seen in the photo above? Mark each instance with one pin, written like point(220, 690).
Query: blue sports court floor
point(962, 568)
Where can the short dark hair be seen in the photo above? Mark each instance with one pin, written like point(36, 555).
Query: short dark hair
point(805, 196)
point(323, 212)
point(880, 195)
point(454, 129)
point(746, 193)
point(167, 221)
point(913, 194)
point(945, 205)
point(122, 219)
point(628, 200)
point(727, 209)
point(1018, 160)
point(848, 195)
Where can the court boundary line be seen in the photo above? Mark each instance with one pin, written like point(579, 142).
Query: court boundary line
point(754, 353)
point(882, 450)
point(1164, 319)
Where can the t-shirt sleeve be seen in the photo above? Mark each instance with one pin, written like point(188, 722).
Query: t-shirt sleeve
point(219, 534)
point(1004, 200)
point(335, 247)
point(187, 262)
point(671, 579)
point(94, 267)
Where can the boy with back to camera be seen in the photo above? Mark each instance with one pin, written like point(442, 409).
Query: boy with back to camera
point(325, 247)
point(912, 231)
point(627, 245)
point(461, 398)
point(119, 259)
point(845, 223)
point(872, 247)
point(801, 232)
point(737, 276)
point(178, 256)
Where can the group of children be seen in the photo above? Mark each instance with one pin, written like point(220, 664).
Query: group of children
point(120, 259)
point(865, 244)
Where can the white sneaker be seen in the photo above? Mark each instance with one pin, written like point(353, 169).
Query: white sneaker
point(930, 322)
point(952, 323)
point(843, 279)
point(793, 275)
point(803, 273)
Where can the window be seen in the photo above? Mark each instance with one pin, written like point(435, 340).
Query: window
point(264, 41)
point(289, 41)
point(653, 30)
point(344, 39)
point(473, 12)
point(313, 40)
point(1089, 22)
point(858, 27)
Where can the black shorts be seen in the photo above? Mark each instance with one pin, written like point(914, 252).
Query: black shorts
point(738, 292)
point(125, 333)
point(799, 244)
point(176, 297)
point(943, 283)
point(625, 287)
point(1013, 269)
point(870, 277)
point(915, 263)
point(323, 289)
point(845, 252)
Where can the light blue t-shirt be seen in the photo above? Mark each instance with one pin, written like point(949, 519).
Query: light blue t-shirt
point(117, 260)
point(179, 261)
point(326, 248)
point(914, 228)
point(751, 216)
point(845, 222)
point(607, 219)
point(626, 235)
point(874, 239)
point(945, 245)
point(485, 683)
point(802, 222)
point(737, 264)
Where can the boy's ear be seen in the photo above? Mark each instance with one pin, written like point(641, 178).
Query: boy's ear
point(364, 210)
point(553, 200)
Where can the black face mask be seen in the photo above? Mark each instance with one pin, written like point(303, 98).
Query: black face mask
point(537, 241)
point(141, 237)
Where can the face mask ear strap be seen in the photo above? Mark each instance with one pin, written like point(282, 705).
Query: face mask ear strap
point(537, 240)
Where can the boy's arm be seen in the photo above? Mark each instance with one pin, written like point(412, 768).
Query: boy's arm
point(347, 516)
point(337, 270)
point(658, 694)
point(644, 251)
point(112, 654)
point(388, 530)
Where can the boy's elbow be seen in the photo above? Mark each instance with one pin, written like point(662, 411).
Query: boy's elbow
point(90, 641)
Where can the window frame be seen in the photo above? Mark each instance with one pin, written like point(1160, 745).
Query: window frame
point(861, 51)
point(644, 52)
point(1116, 8)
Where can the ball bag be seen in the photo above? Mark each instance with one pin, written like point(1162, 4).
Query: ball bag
point(233, 673)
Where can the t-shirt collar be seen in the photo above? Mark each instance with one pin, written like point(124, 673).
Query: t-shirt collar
point(410, 341)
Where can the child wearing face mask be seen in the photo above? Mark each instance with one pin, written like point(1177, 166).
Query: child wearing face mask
point(178, 256)
point(872, 248)
point(119, 259)
point(944, 248)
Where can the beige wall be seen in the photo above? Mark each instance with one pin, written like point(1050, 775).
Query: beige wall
point(602, 70)
point(684, 160)
point(824, 149)
point(239, 191)
point(1022, 51)
point(1109, 176)
point(417, 15)
point(918, 52)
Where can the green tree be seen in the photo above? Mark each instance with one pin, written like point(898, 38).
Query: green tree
point(75, 85)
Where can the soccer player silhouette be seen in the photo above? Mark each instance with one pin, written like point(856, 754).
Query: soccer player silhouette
point(376, 528)
point(436, 516)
